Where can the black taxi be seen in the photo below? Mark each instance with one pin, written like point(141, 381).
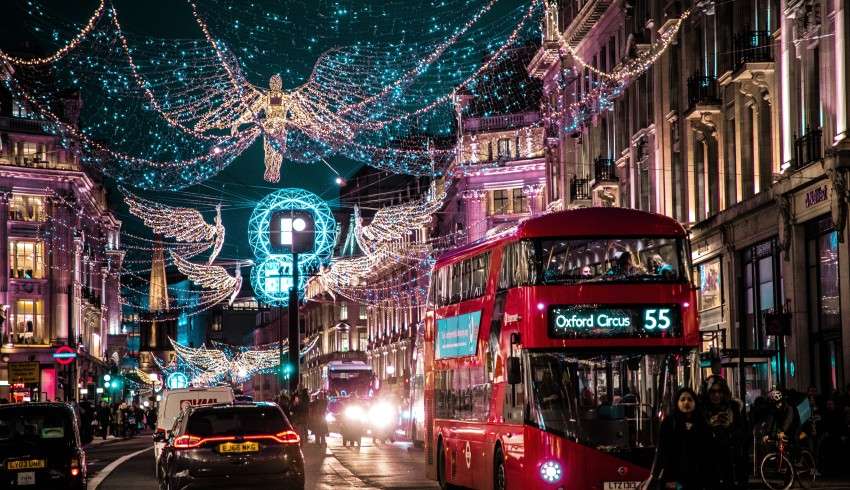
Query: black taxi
point(40, 447)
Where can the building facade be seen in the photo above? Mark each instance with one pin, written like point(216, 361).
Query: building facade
point(737, 128)
point(60, 258)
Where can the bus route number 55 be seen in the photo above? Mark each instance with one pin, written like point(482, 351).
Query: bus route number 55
point(656, 318)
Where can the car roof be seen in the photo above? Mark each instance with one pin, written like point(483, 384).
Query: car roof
point(60, 405)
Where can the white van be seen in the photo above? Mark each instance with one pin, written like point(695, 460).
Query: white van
point(174, 401)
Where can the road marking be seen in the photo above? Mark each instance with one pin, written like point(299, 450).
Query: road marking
point(104, 473)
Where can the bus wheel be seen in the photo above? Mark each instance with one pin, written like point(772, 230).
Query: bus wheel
point(500, 482)
point(441, 466)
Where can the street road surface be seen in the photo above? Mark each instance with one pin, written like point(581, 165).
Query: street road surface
point(390, 466)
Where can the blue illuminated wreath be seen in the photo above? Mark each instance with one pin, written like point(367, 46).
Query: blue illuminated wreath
point(270, 270)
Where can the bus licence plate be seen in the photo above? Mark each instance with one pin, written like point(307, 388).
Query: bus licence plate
point(25, 464)
point(26, 478)
point(238, 447)
point(620, 485)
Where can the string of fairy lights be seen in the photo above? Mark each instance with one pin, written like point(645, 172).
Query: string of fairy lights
point(176, 112)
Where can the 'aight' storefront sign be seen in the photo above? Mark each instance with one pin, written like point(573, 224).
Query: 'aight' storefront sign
point(575, 321)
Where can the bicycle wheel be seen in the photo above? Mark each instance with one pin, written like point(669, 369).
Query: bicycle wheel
point(777, 473)
point(806, 470)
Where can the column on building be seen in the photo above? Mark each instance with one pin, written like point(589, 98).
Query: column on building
point(112, 294)
point(61, 252)
point(476, 213)
point(4, 249)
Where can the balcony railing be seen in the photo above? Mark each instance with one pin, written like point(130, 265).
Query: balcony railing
point(33, 161)
point(808, 148)
point(603, 170)
point(15, 124)
point(579, 189)
point(753, 47)
point(702, 90)
point(501, 122)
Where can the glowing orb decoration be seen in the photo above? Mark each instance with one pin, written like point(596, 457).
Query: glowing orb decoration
point(176, 381)
point(270, 229)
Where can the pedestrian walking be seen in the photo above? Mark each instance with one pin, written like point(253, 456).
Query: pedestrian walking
point(318, 412)
point(728, 440)
point(679, 458)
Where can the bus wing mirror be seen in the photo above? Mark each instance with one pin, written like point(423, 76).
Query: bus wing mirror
point(514, 371)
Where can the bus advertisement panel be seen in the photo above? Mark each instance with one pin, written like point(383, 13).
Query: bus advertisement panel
point(551, 351)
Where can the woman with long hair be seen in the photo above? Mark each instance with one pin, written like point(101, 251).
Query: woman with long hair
point(680, 456)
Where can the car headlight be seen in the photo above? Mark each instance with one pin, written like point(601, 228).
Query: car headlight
point(354, 412)
point(550, 471)
point(330, 417)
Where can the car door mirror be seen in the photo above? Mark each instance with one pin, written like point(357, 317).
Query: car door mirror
point(514, 371)
point(159, 436)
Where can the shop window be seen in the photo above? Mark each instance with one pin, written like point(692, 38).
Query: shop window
point(343, 341)
point(708, 277)
point(26, 259)
point(26, 208)
point(824, 304)
point(362, 340)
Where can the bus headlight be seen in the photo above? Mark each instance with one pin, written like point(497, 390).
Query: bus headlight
point(330, 418)
point(550, 471)
point(382, 414)
point(354, 412)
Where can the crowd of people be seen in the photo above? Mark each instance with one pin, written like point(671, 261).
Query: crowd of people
point(118, 419)
point(707, 441)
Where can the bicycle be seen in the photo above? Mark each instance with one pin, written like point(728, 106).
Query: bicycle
point(779, 473)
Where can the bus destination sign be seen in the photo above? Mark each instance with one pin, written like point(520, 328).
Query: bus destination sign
point(457, 336)
point(620, 321)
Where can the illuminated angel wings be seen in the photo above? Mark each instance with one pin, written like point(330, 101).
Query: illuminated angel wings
point(214, 278)
point(182, 224)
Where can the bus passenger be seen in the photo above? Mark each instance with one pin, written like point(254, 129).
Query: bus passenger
point(680, 457)
point(659, 267)
point(623, 265)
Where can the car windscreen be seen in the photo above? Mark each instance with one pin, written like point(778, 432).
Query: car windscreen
point(236, 421)
point(41, 425)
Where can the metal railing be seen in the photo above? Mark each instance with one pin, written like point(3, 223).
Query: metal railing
point(808, 148)
point(702, 90)
point(579, 189)
point(604, 170)
point(752, 47)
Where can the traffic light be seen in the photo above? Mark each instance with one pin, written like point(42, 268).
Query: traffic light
point(286, 370)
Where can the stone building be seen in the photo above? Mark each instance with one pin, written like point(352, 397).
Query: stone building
point(739, 130)
point(60, 257)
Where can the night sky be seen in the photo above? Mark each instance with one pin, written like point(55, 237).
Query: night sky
point(268, 37)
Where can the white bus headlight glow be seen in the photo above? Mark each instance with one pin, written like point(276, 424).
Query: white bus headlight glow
point(330, 418)
point(550, 471)
point(381, 414)
point(354, 412)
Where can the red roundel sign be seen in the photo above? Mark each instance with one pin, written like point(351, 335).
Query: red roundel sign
point(65, 355)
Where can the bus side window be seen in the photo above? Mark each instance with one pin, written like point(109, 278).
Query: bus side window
point(514, 403)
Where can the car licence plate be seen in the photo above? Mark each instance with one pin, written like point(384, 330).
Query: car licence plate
point(25, 464)
point(238, 447)
point(620, 485)
point(26, 478)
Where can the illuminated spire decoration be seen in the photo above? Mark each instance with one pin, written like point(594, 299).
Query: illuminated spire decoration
point(158, 293)
point(182, 224)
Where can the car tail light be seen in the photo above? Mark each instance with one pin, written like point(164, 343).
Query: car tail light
point(187, 442)
point(75, 467)
point(287, 437)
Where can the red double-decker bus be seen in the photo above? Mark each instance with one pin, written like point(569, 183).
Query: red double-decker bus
point(552, 349)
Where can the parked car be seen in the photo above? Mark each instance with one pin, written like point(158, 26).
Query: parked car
point(231, 446)
point(40, 447)
point(175, 401)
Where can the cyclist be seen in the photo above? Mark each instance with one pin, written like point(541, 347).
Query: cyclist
point(782, 421)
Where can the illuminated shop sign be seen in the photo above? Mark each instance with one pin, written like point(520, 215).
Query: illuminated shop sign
point(577, 321)
point(457, 336)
